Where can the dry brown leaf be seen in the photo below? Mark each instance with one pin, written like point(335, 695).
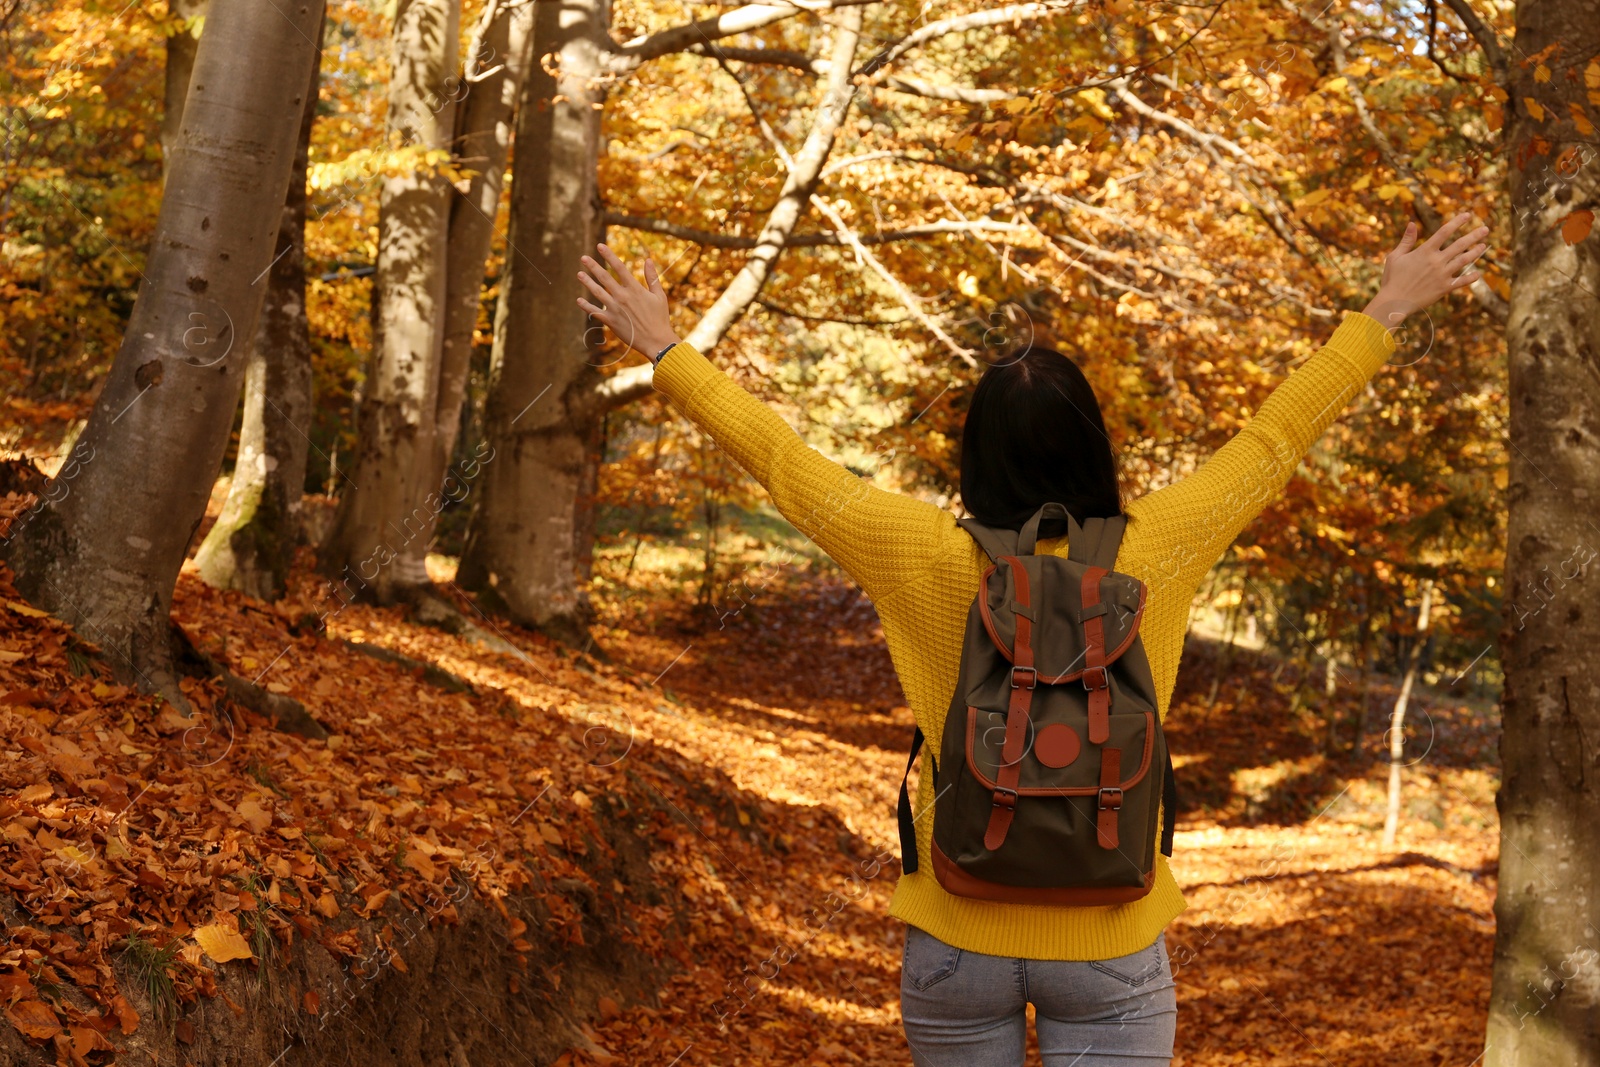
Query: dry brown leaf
point(254, 815)
point(35, 1019)
point(126, 1016)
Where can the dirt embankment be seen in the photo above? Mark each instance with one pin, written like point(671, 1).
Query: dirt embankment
point(483, 862)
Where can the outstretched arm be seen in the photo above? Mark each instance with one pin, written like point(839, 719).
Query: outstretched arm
point(881, 539)
point(1193, 522)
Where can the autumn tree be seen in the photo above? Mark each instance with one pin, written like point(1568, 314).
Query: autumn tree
point(527, 529)
point(105, 550)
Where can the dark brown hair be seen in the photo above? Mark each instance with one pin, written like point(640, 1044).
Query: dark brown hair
point(1033, 436)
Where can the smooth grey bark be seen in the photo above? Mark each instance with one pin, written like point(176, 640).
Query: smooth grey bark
point(251, 546)
point(181, 48)
point(521, 551)
point(484, 123)
point(104, 551)
point(1545, 996)
point(385, 517)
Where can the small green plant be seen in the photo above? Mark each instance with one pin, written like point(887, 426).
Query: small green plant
point(257, 926)
point(151, 968)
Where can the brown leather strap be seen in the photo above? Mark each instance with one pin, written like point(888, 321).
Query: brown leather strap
point(1109, 799)
point(1023, 679)
point(1095, 677)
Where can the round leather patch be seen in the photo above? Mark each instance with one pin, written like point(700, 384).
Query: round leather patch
point(1057, 745)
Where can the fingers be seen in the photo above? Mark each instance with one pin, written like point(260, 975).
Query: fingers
point(1465, 280)
point(1465, 241)
point(1437, 240)
point(652, 278)
point(1463, 258)
point(599, 314)
point(624, 275)
point(608, 287)
point(597, 288)
point(1408, 239)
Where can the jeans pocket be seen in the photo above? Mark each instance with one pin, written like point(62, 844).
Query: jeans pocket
point(927, 961)
point(1136, 968)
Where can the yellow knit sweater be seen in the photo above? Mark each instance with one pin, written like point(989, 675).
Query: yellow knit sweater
point(921, 570)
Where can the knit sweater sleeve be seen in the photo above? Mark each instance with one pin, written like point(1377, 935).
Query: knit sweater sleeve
point(881, 539)
point(1186, 527)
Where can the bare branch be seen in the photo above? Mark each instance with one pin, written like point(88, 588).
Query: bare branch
point(949, 92)
point(1487, 39)
point(959, 23)
point(626, 57)
point(808, 240)
point(848, 320)
point(1125, 93)
point(772, 57)
point(911, 301)
point(804, 173)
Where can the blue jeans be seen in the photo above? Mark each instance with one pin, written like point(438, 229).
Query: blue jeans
point(966, 1009)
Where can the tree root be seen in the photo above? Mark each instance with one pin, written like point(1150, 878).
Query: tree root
point(428, 672)
point(431, 606)
point(285, 712)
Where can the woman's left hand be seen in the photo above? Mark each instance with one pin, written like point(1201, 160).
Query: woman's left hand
point(636, 313)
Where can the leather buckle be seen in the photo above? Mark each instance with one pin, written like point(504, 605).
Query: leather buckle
point(1033, 678)
point(1007, 798)
point(1107, 802)
point(1098, 673)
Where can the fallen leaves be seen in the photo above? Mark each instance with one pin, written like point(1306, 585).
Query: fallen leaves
point(34, 1018)
point(223, 942)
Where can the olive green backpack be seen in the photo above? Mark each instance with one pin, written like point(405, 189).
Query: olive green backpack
point(1053, 767)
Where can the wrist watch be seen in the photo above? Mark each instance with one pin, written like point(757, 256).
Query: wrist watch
point(657, 358)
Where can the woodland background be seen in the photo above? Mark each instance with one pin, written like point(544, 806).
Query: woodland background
point(449, 521)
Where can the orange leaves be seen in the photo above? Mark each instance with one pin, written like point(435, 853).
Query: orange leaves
point(34, 1018)
point(1576, 226)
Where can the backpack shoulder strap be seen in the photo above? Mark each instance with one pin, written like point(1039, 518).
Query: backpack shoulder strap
point(995, 543)
point(1098, 543)
point(908, 825)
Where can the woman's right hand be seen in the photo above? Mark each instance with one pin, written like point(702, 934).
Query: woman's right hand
point(1415, 276)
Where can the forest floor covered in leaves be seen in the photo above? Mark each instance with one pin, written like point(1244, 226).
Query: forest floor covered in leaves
point(666, 853)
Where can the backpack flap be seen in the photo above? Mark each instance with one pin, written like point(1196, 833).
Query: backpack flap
point(1077, 619)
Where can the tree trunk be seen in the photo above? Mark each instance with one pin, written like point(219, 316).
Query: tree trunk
point(521, 550)
point(181, 47)
point(1545, 998)
point(1397, 718)
point(529, 532)
point(483, 138)
point(104, 554)
point(251, 547)
point(386, 516)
